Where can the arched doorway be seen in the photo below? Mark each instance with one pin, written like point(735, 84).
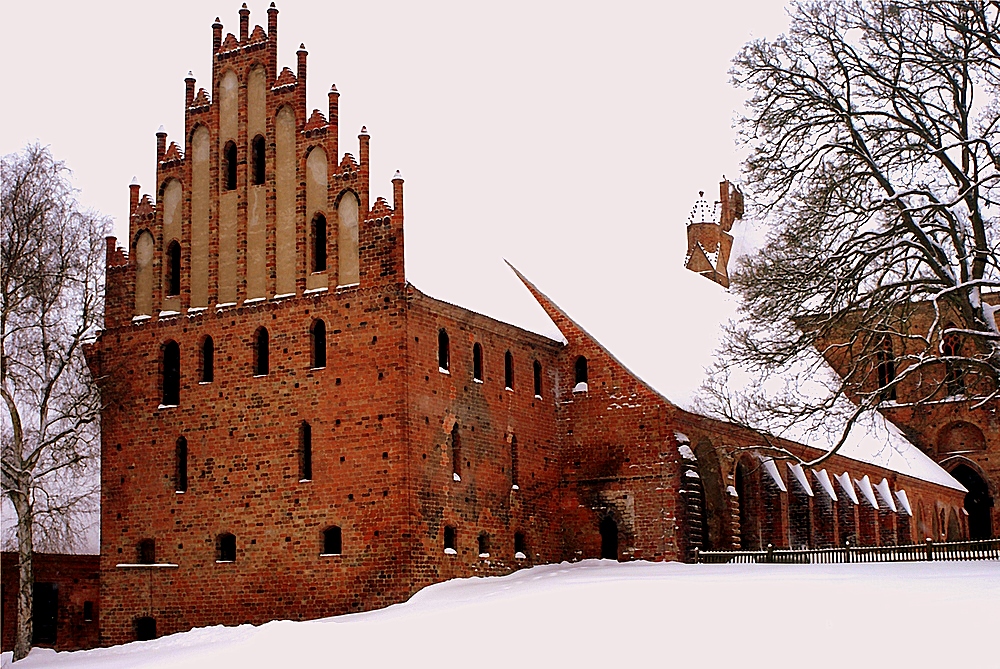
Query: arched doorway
point(609, 538)
point(978, 502)
point(716, 517)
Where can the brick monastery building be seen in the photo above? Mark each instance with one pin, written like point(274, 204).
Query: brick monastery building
point(293, 431)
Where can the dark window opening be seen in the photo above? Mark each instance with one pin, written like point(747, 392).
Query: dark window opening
point(332, 542)
point(741, 497)
point(258, 160)
point(580, 370)
point(147, 551)
point(537, 373)
point(319, 243)
point(229, 165)
point(954, 378)
point(225, 548)
point(444, 354)
point(513, 461)
point(508, 371)
point(171, 374)
point(44, 612)
point(885, 367)
point(318, 340)
point(456, 453)
point(145, 628)
point(181, 466)
point(520, 547)
point(477, 362)
point(609, 539)
point(88, 611)
point(450, 536)
point(484, 544)
point(173, 268)
point(305, 452)
point(261, 358)
point(978, 502)
point(207, 360)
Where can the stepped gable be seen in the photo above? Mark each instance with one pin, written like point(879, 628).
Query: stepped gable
point(229, 44)
point(145, 209)
point(286, 78)
point(173, 153)
point(258, 35)
point(201, 99)
point(380, 208)
point(316, 121)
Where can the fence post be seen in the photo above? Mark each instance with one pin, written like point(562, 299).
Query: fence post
point(930, 549)
point(847, 551)
point(770, 553)
point(697, 557)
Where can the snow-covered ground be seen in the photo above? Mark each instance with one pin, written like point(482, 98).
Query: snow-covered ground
point(604, 614)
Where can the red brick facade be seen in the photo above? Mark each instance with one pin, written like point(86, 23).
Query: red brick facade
point(67, 591)
point(352, 484)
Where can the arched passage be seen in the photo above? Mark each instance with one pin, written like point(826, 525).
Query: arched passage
point(716, 516)
point(978, 502)
point(609, 538)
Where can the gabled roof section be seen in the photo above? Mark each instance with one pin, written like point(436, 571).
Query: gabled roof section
point(286, 78)
point(258, 35)
point(317, 120)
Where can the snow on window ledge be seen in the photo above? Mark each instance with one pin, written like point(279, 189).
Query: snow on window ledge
point(225, 561)
point(155, 565)
point(260, 376)
point(169, 314)
point(305, 480)
point(508, 388)
point(477, 380)
point(254, 300)
point(580, 387)
point(484, 555)
point(225, 305)
point(313, 291)
point(315, 368)
point(140, 318)
point(456, 477)
point(537, 396)
point(520, 556)
point(444, 371)
point(348, 285)
point(180, 492)
point(330, 554)
point(282, 296)
point(450, 551)
point(167, 406)
point(515, 487)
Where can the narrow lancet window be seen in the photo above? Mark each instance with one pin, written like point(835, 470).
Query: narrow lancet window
point(319, 243)
point(537, 373)
point(484, 544)
point(513, 462)
point(173, 268)
point(580, 374)
point(261, 351)
point(147, 551)
point(225, 548)
point(229, 166)
point(444, 353)
point(520, 546)
point(885, 366)
point(508, 371)
point(258, 160)
point(477, 362)
point(951, 346)
point(305, 452)
point(456, 454)
point(318, 339)
point(181, 465)
point(450, 540)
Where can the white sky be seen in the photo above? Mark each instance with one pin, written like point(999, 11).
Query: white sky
point(570, 138)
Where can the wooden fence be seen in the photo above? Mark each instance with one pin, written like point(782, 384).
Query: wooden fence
point(985, 549)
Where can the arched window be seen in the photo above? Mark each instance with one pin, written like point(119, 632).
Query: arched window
point(171, 374)
point(225, 548)
point(258, 148)
point(261, 352)
point(520, 546)
point(450, 540)
point(332, 542)
point(305, 452)
point(951, 346)
point(513, 462)
point(145, 628)
point(508, 371)
point(319, 243)
point(207, 360)
point(536, 370)
point(173, 268)
point(146, 552)
point(229, 166)
point(456, 453)
point(181, 465)
point(580, 371)
point(317, 336)
point(885, 368)
point(484, 544)
point(477, 362)
point(978, 501)
point(444, 354)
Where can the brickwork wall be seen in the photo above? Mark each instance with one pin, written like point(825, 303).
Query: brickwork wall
point(78, 580)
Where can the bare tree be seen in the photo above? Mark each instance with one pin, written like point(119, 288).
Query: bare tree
point(871, 128)
point(51, 253)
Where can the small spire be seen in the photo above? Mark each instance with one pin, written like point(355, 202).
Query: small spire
point(244, 5)
point(701, 193)
point(272, 4)
point(333, 88)
point(302, 46)
point(218, 22)
point(190, 75)
point(135, 181)
point(397, 176)
point(364, 131)
point(161, 130)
